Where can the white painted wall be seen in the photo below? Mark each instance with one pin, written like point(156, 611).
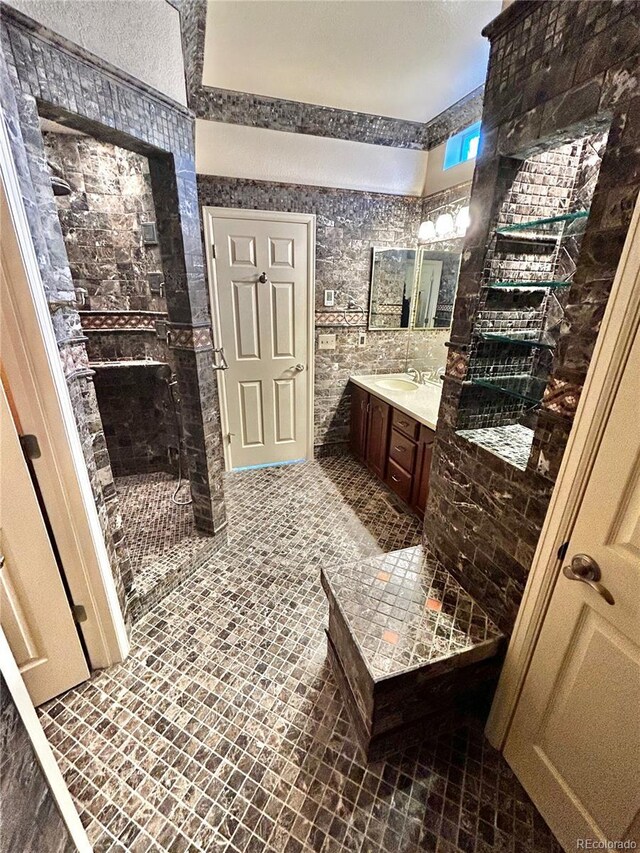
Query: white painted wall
point(237, 151)
point(142, 37)
point(438, 179)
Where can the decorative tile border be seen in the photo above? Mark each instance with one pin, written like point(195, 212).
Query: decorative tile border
point(120, 321)
point(197, 338)
point(350, 319)
point(232, 107)
point(561, 397)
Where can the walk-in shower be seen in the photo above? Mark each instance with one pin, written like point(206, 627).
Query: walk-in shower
point(107, 215)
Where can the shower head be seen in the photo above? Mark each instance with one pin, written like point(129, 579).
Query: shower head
point(163, 372)
point(60, 186)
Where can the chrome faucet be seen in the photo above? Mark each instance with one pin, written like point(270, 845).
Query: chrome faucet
point(414, 374)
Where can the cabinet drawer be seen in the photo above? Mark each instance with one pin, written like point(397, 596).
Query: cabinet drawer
point(399, 480)
point(402, 450)
point(405, 424)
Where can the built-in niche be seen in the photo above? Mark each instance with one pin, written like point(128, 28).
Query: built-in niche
point(529, 267)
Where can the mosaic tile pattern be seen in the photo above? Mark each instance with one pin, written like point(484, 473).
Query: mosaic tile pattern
point(163, 542)
point(404, 611)
point(224, 730)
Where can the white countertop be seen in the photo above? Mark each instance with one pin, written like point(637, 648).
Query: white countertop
point(421, 404)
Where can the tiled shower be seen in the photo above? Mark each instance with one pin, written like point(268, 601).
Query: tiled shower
point(108, 219)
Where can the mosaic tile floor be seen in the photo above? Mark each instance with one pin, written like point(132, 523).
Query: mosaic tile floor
point(162, 539)
point(224, 731)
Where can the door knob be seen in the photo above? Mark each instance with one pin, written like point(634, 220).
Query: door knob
point(299, 367)
point(584, 568)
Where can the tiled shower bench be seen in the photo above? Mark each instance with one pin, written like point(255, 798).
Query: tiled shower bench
point(410, 649)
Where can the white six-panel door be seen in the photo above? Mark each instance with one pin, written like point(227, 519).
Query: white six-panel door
point(262, 299)
point(575, 739)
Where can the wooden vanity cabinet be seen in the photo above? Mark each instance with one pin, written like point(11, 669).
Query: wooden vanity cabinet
point(359, 416)
point(394, 446)
point(378, 436)
point(423, 469)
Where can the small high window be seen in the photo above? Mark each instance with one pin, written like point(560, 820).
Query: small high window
point(463, 146)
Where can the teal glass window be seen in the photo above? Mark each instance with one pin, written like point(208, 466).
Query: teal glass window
point(462, 146)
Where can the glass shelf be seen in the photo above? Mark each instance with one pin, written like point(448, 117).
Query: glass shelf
point(551, 227)
point(541, 340)
point(525, 388)
point(496, 285)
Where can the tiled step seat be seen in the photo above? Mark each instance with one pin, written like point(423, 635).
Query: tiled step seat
point(410, 649)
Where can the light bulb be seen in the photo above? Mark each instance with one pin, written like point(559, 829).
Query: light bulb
point(427, 231)
point(462, 220)
point(444, 224)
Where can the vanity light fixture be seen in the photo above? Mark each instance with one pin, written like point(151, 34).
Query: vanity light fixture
point(444, 224)
point(427, 231)
point(462, 219)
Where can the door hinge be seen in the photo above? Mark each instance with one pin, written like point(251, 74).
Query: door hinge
point(30, 446)
point(213, 251)
point(230, 436)
point(562, 550)
point(79, 613)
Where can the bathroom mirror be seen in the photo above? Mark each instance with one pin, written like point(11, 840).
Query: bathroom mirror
point(392, 280)
point(435, 289)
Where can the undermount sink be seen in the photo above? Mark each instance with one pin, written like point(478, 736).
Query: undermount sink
point(395, 384)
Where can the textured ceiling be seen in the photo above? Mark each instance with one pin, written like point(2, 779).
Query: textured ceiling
point(409, 60)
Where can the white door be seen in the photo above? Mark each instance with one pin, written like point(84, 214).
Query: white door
point(263, 301)
point(35, 613)
point(575, 738)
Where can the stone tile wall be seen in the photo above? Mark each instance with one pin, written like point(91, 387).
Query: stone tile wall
point(558, 71)
point(30, 816)
point(101, 221)
point(43, 73)
point(122, 285)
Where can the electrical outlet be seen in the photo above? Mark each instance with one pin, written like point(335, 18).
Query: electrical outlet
point(329, 298)
point(326, 341)
point(362, 339)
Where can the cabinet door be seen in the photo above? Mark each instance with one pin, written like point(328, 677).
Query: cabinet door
point(358, 427)
point(378, 436)
point(423, 469)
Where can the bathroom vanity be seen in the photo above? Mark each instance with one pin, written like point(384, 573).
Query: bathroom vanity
point(393, 421)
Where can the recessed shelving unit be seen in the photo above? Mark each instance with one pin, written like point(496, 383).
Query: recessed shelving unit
point(539, 339)
point(525, 388)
